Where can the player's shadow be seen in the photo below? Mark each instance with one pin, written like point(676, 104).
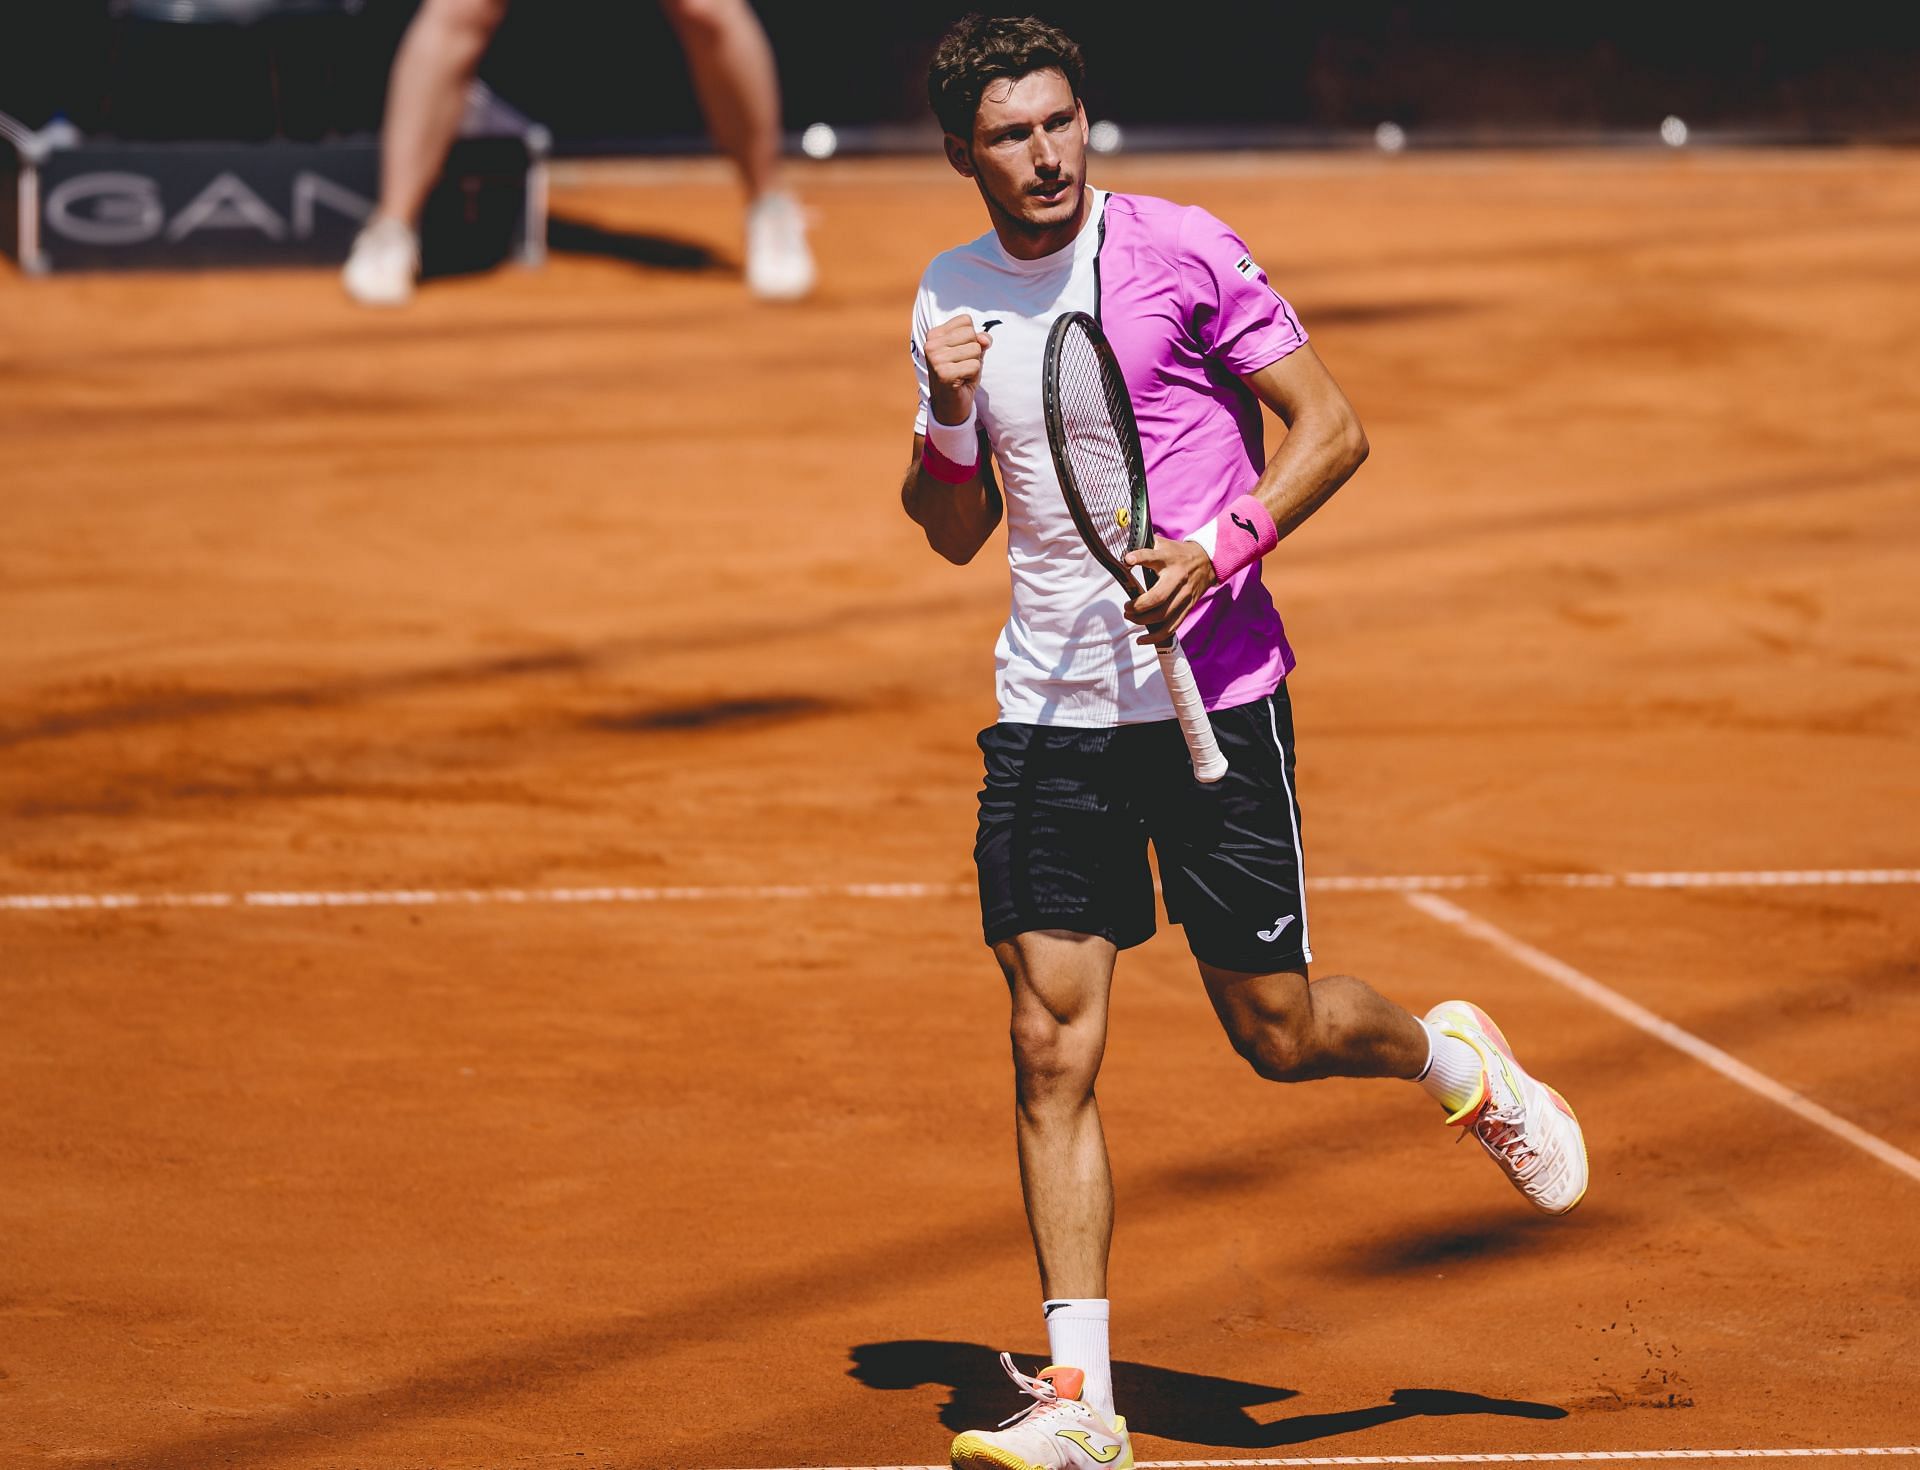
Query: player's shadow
point(1478, 1245)
point(1193, 1408)
point(714, 714)
point(657, 252)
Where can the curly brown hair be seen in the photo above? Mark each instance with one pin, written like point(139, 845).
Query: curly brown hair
point(980, 49)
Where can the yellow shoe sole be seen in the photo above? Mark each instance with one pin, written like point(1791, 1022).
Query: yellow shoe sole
point(974, 1451)
point(971, 1451)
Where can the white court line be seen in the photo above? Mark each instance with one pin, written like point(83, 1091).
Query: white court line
point(1542, 1458)
point(766, 892)
point(1635, 1014)
point(1738, 878)
point(471, 897)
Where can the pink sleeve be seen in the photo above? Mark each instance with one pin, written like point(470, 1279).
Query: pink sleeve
point(1237, 318)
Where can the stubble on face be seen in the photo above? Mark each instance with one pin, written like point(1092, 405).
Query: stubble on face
point(1028, 156)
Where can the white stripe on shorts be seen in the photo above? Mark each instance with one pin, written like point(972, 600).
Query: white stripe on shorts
point(1293, 821)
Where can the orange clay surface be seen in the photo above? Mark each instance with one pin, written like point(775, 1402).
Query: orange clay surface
point(597, 575)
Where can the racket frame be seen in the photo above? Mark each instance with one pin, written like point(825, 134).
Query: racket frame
point(1140, 524)
point(1209, 764)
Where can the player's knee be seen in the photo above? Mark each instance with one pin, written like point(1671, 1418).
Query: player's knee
point(1051, 1056)
point(1277, 1058)
point(1278, 1045)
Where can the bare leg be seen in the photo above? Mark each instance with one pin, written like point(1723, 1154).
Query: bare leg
point(426, 94)
point(1059, 984)
point(1290, 1031)
point(739, 87)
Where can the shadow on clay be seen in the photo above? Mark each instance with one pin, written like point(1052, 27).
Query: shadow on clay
point(131, 704)
point(1424, 1250)
point(656, 252)
point(1193, 1408)
point(715, 713)
point(1367, 313)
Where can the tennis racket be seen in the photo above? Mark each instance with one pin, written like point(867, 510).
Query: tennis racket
point(1096, 450)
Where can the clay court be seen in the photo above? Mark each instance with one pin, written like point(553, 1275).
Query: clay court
point(491, 976)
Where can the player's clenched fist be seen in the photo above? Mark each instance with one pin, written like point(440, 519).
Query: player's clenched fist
point(955, 352)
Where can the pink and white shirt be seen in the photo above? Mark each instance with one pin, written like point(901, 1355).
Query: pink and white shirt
point(1188, 313)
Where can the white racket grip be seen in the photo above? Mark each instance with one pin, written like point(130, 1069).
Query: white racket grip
point(1209, 765)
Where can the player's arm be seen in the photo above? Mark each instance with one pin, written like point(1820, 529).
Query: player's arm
point(1323, 447)
point(957, 510)
point(958, 519)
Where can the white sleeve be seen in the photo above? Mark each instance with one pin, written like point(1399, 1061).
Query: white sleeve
point(917, 348)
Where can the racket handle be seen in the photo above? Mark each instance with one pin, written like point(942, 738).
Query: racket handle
point(1209, 765)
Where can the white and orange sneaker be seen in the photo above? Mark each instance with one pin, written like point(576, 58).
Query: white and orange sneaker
point(1525, 1125)
point(1055, 1432)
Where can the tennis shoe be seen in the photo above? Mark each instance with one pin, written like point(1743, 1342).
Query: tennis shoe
point(779, 264)
point(1523, 1124)
point(384, 262)
point(1055, 1432)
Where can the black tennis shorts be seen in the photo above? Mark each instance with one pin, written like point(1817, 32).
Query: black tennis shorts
point(1066, 815)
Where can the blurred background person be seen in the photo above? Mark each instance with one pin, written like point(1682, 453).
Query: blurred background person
point(733, 74)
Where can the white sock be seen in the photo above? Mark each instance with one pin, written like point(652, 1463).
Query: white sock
point(1452, 1074)
point(1077, 1338)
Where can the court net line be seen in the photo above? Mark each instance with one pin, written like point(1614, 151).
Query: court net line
point(1542, 1457)
point(771, 892)
point(1682, 1040)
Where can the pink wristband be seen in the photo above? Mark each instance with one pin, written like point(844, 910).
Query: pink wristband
point(941, 468)
point(1243, 534)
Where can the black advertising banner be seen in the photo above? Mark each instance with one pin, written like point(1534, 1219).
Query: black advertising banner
point(173, 206)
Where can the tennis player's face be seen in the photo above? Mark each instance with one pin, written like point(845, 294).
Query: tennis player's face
point(1028, 154)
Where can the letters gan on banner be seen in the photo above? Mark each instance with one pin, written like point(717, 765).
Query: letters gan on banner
point(107, 205)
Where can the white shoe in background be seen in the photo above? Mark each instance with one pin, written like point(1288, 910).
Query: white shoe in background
point(779, 264)
point(383, 265)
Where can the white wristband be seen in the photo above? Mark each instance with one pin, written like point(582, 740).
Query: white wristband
point(958, 442)
point(1205, 537)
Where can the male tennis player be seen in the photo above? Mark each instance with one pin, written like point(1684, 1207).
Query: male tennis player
point(1087, 764)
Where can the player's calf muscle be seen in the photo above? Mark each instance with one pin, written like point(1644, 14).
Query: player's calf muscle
point(1337, 1027)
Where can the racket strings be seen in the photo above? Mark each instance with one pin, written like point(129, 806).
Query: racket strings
point(1091, 402)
